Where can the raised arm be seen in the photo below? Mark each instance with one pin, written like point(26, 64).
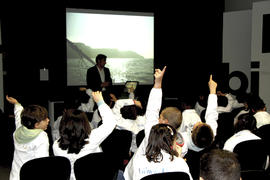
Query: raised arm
point(211, 114)
point(158, 77)
point(17, 110)
point(154, 101)
point(108, 119)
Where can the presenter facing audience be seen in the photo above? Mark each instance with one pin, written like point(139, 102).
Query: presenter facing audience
point(99, 77)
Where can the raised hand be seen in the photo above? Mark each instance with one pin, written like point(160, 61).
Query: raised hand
point(97, 96)
point(158, 77)
point(11, 100)
point(212, 85)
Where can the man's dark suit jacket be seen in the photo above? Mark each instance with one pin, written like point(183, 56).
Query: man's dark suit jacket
point(94, 81)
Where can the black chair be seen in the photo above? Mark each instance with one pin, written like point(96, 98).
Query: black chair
point(95, 166)
point(139, 137)
point(225, 129)
point(255, 174)
point(117, 146)
point(167, 176)
point(52, 167)
point(252, 155)
point(264, 133)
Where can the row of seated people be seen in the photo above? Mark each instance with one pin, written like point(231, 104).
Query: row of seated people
point(160, 150)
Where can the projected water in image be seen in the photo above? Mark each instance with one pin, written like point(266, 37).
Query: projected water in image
point(122, 70)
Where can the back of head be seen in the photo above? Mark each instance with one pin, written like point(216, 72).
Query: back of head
point(173, 115)
point(188, 102)
point(202, 100)
point(255, 103)
point(245, 121)
point(74, 129)
point(161, 137)
point(129, 112)
point(83, 97)
point(33, 114)
point(219, 164)
point(222, 101)
point(202, 135)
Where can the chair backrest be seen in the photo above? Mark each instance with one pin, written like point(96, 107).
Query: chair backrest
point(95, 166)
point(251, 154)
point(52, 167)
point(255, 174)
point(117, 145)
point(139, 137)
point(167, 176)
point(264, 133)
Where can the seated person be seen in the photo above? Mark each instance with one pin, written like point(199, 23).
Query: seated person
point(201, 135)
point(162, 154)
point(169, 115)
point(30, 139)
point(258, 109)
point(227, 102)
point(97, 119)
point(246, 109)
point(201, 103)
point(189, 114)
point(244, 131)
point(86, 102)
point(130, 115)
point(77, 139)
point(219, 164)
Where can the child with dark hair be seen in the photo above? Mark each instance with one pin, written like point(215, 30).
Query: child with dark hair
point(129, 112)
point(169, 116)
point(219, 164)
point(162, 154)
point(245, 98)
point(199, 135)
point(162, 137)
point(86, 102)
point(76, 137)
point(189, 114)
point(258, 109)
point(30, 139)
point(244, 131)
point(129, 117)
point(74, 130)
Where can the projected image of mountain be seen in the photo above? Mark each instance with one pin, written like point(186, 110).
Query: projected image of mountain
point(126, 40)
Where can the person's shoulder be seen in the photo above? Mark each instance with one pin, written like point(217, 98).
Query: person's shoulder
point(43, 135)
point(92, 68)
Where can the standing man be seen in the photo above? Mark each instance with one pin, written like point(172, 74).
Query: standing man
point(99, 77)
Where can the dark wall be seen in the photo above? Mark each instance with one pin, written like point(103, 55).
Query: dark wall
point(188, 39)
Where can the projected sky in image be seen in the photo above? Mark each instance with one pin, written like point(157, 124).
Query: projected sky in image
point(124, 32)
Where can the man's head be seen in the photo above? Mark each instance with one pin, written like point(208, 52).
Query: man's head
point(219, 163)
point(101, 60)
point(35, 117)
point(171, 116)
